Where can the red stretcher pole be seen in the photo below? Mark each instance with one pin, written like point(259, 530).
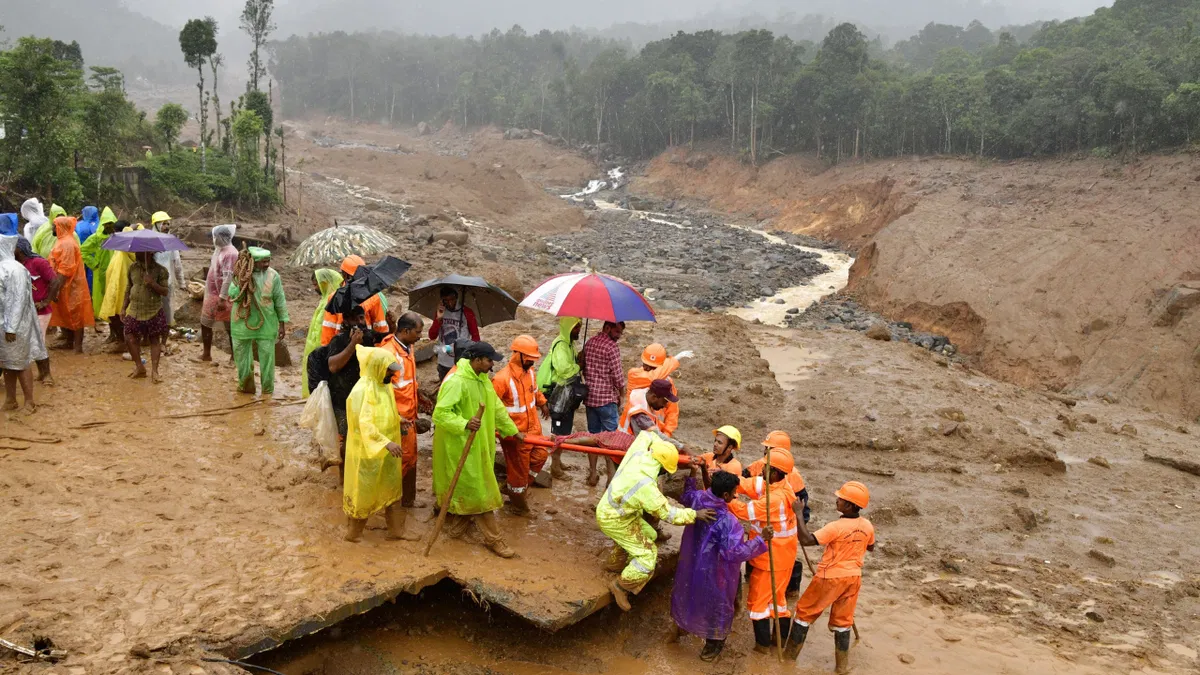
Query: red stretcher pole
point(684, 460)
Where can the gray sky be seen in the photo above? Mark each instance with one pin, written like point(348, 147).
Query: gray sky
point(476, 16)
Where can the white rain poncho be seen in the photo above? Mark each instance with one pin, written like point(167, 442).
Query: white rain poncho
point(18, 315)
point(34, 217)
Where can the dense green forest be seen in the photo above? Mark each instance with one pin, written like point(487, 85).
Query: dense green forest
point(1126, 79)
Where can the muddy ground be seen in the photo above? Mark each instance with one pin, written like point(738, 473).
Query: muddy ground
point(1019, 532)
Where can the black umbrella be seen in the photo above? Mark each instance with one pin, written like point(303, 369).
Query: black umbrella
point(490, 304)
point(367, 281)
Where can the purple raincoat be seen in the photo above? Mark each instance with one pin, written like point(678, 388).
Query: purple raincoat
point(707, 576)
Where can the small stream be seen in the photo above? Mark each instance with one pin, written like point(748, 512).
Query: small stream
point(771, 310)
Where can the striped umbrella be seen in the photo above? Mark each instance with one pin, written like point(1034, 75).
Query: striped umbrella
point(589, 296)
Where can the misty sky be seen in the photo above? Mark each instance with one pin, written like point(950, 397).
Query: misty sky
point(477, 16)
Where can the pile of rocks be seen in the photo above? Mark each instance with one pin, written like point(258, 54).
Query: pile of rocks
point(841, 312)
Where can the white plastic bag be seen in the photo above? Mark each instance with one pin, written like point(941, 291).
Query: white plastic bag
point(317, 416)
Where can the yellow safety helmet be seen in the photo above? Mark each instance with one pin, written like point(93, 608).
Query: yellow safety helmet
point(731, 432)
point(666, 454)
point(158, 217)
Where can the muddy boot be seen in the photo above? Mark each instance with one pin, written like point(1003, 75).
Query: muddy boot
point(543, 479)
point(502, 549)
point(762, 636)
point(712, 650)
point(395, 516)
point(517, 504)
point(617, 560)
point(795, 642)
point(354, 529)
point(841, 651)
point(620, 595)
point(408, 489)
point(456, 526)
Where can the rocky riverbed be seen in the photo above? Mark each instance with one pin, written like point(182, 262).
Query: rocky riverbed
point(838, 312)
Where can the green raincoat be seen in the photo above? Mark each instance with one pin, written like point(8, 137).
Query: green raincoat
point(44, 238)
point(560, 364)
point(373, 479)
point(457, 402)
point(261, 327)
point(328, 281)
point(96, 258)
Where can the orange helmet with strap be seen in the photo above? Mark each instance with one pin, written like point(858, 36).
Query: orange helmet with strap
point(778, 439)
point(351, 263)
point(782, 460)
point(526, 345)
point(856, 493)
point(655, 355)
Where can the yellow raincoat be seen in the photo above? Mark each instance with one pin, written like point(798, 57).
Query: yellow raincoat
point(328, 281)
point(96, 258)
point(373, 478)
point(116, 282)
point(632, 492)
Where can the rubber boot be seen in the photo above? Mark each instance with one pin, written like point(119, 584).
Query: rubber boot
point(762, 635)
point(396, 516)
point(620, 595)
point(841, 651)
point(795, 643)
point(785, 629)
point(502, 549)
point(354, 529)
point(518, 505)
point(408, 489)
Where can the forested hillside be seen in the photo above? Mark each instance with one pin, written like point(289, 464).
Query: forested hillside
point(1125, 79)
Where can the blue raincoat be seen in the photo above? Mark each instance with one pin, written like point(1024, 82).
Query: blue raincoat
point(86, 227)
point(710, 559)
point(9, 224)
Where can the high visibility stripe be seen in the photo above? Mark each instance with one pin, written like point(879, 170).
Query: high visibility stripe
point(671, 514)
point(381, 324)
point(750, 512)
point(837, 629)
point(516, 407)
point(402, 384)
point(758, 486)
point(781, 610)
point(618, 503)
point(785, 534)
point(330, 324)
point(637, 565)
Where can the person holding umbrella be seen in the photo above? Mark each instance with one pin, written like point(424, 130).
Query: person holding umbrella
point(476, 496)
point(260, 317)
point(451, 321)
point(143, 313)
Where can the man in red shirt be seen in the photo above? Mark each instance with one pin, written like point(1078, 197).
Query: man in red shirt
point(454, 321)
point(606, 386)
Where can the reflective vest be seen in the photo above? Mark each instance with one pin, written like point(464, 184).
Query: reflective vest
point(518, 390)
point(637, 405)
point(404, 382)
point(781, 517)
point(373, 313)
point(637, 472)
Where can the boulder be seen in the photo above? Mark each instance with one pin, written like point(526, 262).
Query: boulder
point(450, 236)
point(879, 331)
point(424, 129)
point(1177, 302)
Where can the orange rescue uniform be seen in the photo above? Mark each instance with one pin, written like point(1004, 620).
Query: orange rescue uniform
point(839, 575)
point(784, 545)
point(733, 466)
point(517, 388)
point(404, 387)
point(640, 378)
point(794, 479)
point(373, 314)
point(637, 404)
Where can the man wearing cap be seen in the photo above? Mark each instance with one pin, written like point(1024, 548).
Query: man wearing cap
point(408, 327)
point(838, 578)
point(647, 408)
point(631, 495)
point(173, 263)
point(259, 319)
point(516, 386)
point(778, 526)
point(457, 413)
point(374, 310)
point(726, 441)
point(605, 386)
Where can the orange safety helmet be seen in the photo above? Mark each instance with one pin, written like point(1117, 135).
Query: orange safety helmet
point(856, 493)
point(351, 263)
point(654, 355)
point(526, 345)
point(779, 439)
point(782, 460)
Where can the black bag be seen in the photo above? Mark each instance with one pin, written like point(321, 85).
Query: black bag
point(564, 399)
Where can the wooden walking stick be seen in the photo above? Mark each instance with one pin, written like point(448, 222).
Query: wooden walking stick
point(445, 505)
point(771, 559)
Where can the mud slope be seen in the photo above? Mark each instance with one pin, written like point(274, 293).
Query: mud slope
point(1075, 275)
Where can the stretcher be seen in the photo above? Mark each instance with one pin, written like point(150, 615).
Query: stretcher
point(684, 460)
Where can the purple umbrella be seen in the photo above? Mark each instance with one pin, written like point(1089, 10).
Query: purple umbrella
point(144, 241)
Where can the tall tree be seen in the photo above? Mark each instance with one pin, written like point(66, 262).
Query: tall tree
point(257, 23)
point(198, 40)
point(168, 123)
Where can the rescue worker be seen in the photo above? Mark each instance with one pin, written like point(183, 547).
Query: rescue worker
point(631, 495)
point(373, 307)
point(514, 384)
point(372, 480)
point(726, 441)
point(657, 365)
point(839, 575)
point(778, 525)
point(647, 408)
point(476, 496)
point(780, 439)
point(408, 327)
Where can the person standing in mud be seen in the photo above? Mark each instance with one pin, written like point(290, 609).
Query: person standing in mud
point(514, 384)
point(46, 285)
point(477, 494)
point(22, 342)
point(342, 365)
point(606, 387)
point(143, 314)
point(259, 319)
point(406, 332)
point(217, 308)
